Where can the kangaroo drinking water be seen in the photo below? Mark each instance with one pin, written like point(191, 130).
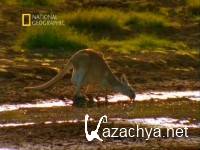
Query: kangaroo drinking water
point(90, 68)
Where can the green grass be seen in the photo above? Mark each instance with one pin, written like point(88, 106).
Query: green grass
point(102, 28)
point(100, 23)
point(57, 41)
point(147, 22)
point(114, 23)
point(141, 43)
point(52, 40)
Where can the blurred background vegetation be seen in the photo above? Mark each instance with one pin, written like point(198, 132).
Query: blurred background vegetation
point(123, 26)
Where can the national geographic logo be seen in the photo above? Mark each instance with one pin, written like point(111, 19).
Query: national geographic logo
point(41, 19)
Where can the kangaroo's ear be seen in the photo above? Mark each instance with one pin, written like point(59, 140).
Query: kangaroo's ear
point(124, 79)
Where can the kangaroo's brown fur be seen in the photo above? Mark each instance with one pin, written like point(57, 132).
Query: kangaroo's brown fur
point(90, 68)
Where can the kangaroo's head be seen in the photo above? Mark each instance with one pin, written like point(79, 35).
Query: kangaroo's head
point(126, 88)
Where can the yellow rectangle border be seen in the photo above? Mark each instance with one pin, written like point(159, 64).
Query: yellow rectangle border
point(29, 20)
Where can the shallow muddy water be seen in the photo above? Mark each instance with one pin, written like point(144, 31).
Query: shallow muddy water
point(157, 122)
point(40, 104)
point(33, 123)
point(192, 95)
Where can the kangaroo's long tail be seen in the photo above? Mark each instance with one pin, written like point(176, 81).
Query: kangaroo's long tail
point(59, 76)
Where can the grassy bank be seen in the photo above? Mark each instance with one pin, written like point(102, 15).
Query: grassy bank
point(94, 27)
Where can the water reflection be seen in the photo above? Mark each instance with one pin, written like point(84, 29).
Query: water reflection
point(16, 124)
point(33, 123)
point(40, 104)
point(157, 122)
point(192, 95)
point(160, 122)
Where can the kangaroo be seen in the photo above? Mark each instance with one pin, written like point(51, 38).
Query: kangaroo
point(90, 68)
